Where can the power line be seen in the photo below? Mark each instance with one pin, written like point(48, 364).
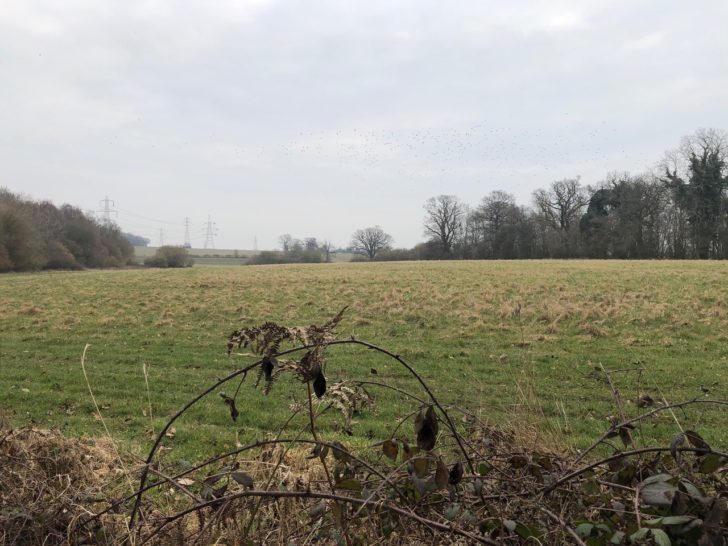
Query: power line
point(209, 232)
point(155, 220)
point(150, 229)
point(107, 210)
point(147, 225)
point(161, 236)
point(188, 243)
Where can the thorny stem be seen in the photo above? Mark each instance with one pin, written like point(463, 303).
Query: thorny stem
point(254, 445)
point(421, 401)
point(176, 484)
point(236, 373)
point(558, 519)
point(429, 392)
point(433, 398)
point(160, 436)
point(322, 459)
point(622, 455)
point(615, 392)
point(272, 474)
point(449, 528)
point(315, 436)
point(645, 416)
point(188, 405)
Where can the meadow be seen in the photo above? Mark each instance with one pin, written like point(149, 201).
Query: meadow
point(522, 344)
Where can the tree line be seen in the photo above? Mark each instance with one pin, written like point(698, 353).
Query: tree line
point(679, 211)
point(293, 250)
point(39, 235)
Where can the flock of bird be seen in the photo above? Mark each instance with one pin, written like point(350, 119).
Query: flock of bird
point(481, 152)
point(406, 154)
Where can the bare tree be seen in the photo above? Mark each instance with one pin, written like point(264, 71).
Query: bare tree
point(562, 204)
point(444, 220)
point(370, 241)
point(706, 141)
point(286, 242)
point(326, 247)
point(560, 207)
point(311, 244)
point(499, 229)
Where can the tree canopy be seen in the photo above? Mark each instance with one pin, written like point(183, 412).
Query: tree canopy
point(39, 235)
point(370, 241)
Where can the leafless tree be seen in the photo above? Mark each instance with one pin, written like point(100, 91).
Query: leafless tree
point(494, 211)
point(370, 241)
point(311, 244)
point(499, 229)
point(560, 208)
point(562, 204)
point(444, 220)
point(286, 242)
point(326, 248)
point(710, 141)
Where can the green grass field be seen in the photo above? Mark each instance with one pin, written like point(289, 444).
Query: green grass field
point(458, 323)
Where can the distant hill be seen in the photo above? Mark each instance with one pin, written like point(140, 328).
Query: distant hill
point(135, 240)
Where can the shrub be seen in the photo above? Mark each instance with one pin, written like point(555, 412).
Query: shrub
point(295, 256)
point(118, 249)
point(59, 257)
point(268, 257)
point(395, 255)
point(20, 242)
point(39, 235)
point(170, 256)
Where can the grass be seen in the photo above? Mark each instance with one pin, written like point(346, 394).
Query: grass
point(519, 342)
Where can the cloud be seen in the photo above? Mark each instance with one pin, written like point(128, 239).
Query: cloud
point(646, 42)
point(344, 113)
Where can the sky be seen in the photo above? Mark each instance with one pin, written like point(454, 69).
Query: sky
point(319, 118)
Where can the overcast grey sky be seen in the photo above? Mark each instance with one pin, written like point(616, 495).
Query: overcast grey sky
point(318, 118)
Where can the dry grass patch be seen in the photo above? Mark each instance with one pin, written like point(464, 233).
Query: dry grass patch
point(48, 483)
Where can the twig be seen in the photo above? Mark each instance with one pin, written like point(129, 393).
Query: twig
point(674, 417)
point(145, 371)
point(326, 496)
point(101, 417)
point(622, 455)
point(636, 504)
point(176, 484)
point(424, 385)
point(645, 416)
point(236, 373)
point(615, 392)
point(179, 413)
point(256, 444)
point(558, 519)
